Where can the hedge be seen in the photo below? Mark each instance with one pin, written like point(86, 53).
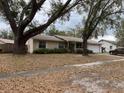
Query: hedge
point(79, 51)
point(49, 51)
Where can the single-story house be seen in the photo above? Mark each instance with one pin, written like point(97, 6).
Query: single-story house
point(51, 42)
point(107, 45)
point(43, 41)
point(6, 45)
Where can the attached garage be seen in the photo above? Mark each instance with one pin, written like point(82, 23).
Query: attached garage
point(94, 48)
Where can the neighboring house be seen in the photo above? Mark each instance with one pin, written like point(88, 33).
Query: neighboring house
point(51, 42)
point(107, 45)
point(6, 45)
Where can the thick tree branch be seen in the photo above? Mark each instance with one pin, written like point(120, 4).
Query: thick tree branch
point(24, 10)
point(109, 5)
point(28, 19)
point(106, 4)
point(90, 13)
point(93, 12)
point(37, 30)
point(10, 18)
point(112, 13)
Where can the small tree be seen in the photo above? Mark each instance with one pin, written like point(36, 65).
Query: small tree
point(3, 34)
point(20, 15)
point(53, 31)
point(100, 14)
point(75, 32)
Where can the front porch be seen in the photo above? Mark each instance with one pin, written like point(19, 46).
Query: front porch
point(73, 46)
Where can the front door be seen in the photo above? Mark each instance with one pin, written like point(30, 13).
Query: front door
point(72, 46)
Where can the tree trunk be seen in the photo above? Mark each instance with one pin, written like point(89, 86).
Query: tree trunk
point(19, 46)
point(84, 46)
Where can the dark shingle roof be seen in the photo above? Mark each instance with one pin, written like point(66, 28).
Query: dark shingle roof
point(46, 37)
point(62, 38)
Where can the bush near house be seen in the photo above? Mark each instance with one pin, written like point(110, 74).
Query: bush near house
point(79, 51)
point(54, 51)
point(49, 51)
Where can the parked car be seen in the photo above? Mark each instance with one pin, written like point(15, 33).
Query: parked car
point(117, 51)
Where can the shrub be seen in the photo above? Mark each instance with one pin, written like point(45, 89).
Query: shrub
point(79, 51)
point(49, 51)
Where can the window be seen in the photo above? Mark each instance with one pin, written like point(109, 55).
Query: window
point(110, 47)
point(61, 45)
point(42, 44)
point(78, 45)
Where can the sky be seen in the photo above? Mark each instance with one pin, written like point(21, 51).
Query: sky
point(3, 24)
point(75, 19)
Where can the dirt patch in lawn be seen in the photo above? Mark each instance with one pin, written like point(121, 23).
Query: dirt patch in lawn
point(105, 78)
point(12, 63)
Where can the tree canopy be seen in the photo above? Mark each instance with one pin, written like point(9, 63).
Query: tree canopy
point(53, 31)
point(120, 34)
point(101, 14)
point(21, 13)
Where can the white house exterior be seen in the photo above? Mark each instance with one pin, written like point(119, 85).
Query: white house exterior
point(107, 45)
point(51, 42)
point(92, 44)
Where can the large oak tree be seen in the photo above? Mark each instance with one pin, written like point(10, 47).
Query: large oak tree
point(100, 14)
point(20, 15)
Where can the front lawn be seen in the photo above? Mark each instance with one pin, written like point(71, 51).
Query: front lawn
point(106, 78)
point(12, 63)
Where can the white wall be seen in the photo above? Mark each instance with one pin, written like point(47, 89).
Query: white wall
point(94, 48)
point(52, 45)
point(34, 44)
point(49, 44)
point(107, 45)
